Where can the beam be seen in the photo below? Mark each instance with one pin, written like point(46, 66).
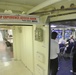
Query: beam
point(42, 5)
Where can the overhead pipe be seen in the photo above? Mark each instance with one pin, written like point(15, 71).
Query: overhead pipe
point(66, 9)
point(63, 14)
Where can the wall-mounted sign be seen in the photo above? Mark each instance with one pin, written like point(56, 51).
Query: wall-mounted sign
point(7, 18)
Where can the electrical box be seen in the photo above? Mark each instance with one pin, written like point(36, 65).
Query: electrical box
point(39, 34)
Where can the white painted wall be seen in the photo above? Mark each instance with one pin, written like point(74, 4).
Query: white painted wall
point(41, 52)
point(23, 49)
point(27, 49)
point(16, 43)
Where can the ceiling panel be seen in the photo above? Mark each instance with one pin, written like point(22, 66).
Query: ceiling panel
point(18, 5)
point(26, 5)
point(27, 2)
point(57, 5)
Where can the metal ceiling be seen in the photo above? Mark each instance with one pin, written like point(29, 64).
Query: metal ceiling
point(30, 6)
point(26, 6)
point(18, 6)
point(24, 2)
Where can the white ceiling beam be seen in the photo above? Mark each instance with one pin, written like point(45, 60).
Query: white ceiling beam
point(42, 5)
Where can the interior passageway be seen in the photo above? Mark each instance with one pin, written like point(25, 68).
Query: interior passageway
point(65, 30)
point(8, 66)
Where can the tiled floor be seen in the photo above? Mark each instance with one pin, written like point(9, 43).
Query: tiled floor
point(7, 65)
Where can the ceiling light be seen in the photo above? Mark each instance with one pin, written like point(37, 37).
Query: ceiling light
point(8, 11)
point(53, 26)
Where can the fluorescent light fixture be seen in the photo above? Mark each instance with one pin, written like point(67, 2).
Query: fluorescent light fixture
point(53, 26)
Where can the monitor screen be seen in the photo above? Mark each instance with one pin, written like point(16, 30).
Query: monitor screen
point(67, 34)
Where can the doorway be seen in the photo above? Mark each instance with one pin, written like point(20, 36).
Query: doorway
point(21, 38)
point(6, 44)
point(65, 30)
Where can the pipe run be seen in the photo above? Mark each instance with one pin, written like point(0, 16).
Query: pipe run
point(67, 9)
